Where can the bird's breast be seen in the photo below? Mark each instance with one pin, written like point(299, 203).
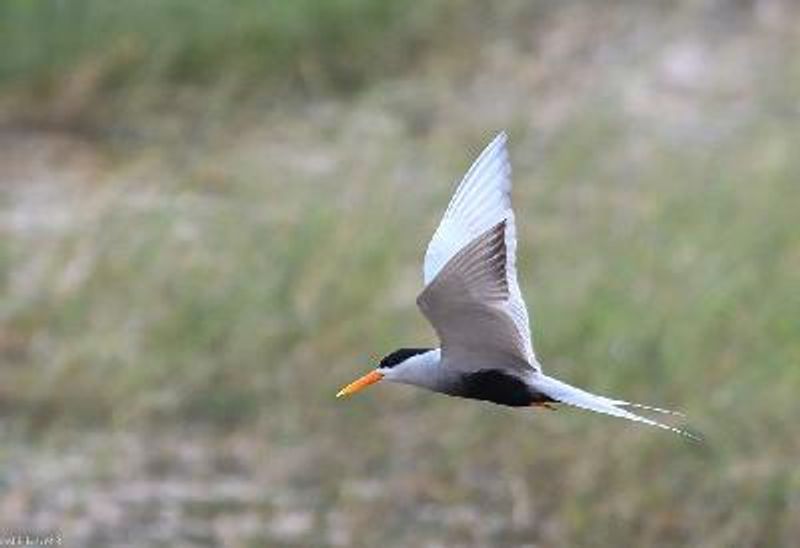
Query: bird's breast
point(497, 386)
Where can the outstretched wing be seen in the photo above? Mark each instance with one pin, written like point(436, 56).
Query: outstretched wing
point(472, 297)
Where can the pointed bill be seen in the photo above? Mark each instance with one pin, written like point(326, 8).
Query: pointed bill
point(359, 384)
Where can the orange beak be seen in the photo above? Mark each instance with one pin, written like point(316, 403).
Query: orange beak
point(359, 384)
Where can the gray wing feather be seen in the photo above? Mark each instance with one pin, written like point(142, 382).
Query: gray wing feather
point(480, 205)
point(468, 305)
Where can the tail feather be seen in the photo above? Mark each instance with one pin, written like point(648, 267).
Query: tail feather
point(570, 395)
point(649, 408)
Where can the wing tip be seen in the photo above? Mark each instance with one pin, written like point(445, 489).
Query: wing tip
point(500, 139)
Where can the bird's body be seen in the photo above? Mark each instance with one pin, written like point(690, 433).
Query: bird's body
point(489, 381)
point(474, 303)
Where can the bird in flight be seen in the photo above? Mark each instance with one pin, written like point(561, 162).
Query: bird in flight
point(475, 305)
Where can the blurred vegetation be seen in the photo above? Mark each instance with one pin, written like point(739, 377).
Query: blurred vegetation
point(198, 300)
point(335, 43)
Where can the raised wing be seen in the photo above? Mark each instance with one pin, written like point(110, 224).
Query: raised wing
point(472, 297)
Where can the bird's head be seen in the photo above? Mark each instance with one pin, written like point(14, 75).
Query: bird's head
point(407, 365)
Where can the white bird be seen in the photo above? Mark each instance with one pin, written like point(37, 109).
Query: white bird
point(474, 303)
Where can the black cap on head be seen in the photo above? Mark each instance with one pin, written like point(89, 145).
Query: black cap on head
point(399, 356)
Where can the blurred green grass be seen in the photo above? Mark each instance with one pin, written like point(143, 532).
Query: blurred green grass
point(638, 287)
point(235, 279)
point(250, 305)
point(125, 47)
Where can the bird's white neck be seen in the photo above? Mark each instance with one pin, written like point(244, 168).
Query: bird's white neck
point(420, 370)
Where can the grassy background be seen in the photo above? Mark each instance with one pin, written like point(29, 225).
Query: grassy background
point(213, 216)
point(147, 43)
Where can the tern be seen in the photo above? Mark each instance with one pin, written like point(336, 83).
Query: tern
point(473, 301)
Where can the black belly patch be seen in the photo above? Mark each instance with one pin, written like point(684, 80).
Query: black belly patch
point(499, 387)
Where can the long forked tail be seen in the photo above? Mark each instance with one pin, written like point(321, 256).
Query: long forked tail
point(570, 395)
